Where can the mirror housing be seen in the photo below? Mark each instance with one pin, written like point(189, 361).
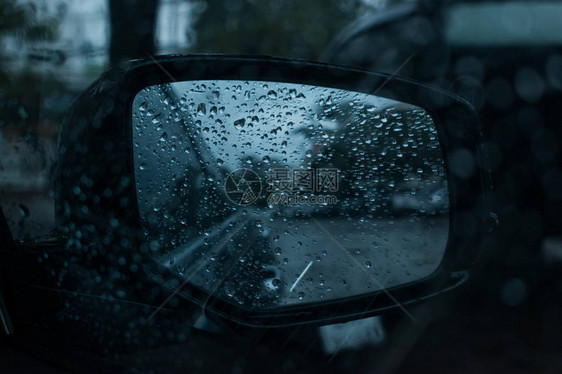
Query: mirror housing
point(96, 195)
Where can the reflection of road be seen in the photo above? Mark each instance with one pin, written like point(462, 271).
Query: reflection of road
point(393, 252)
point(311, 259)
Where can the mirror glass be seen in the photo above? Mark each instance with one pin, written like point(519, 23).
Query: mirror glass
point(269, 194)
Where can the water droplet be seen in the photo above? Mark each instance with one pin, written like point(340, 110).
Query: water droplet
point(201, 109)
point(239, 124)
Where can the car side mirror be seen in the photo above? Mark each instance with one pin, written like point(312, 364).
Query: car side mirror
point(273, 192)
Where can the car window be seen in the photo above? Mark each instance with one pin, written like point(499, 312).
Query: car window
point(508, 317)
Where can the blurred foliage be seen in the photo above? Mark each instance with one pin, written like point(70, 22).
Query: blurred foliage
point(13, 18)
point(21, 20)
point(23, 90)
point(290, 28)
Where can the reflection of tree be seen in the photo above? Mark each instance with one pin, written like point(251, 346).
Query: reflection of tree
point(293, 28)
point(377, 152)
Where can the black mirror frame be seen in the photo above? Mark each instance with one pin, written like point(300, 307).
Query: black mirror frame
point(108, 127)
